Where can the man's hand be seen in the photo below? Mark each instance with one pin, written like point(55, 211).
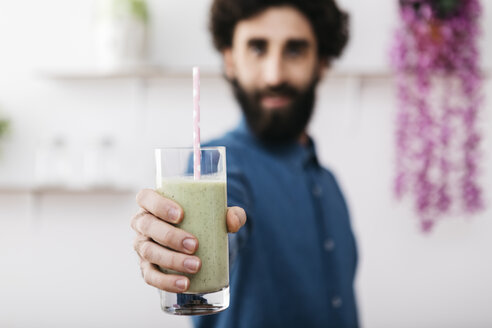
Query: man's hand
point(154, 225)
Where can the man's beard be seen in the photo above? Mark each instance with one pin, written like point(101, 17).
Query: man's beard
point(281, 124)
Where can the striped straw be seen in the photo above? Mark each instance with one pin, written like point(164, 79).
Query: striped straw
point(196, 124)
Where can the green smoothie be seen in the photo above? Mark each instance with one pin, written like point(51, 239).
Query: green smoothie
point(205, 204)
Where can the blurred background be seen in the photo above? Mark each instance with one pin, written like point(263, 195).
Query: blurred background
point(82, 125)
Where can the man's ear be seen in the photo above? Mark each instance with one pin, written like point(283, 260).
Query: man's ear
point(229, 66)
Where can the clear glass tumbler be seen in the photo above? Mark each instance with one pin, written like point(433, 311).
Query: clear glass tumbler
point(204, 202)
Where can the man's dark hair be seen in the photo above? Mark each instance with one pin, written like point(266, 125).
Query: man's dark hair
point(329, 23)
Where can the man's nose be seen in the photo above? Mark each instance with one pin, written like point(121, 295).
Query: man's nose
point(273, 72)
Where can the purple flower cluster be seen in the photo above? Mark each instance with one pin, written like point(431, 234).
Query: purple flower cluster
point(436, 59)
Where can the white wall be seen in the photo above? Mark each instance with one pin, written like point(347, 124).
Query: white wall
point(66, 258)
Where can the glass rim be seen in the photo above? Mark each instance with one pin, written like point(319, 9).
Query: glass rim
point(190, 148)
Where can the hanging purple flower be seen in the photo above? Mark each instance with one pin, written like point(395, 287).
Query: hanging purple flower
point(436, 59)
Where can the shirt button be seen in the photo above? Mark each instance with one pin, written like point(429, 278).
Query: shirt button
point(329, 245)
point(317, 191)
point(336, 302)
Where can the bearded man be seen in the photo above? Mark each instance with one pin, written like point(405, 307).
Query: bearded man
point(293, 261)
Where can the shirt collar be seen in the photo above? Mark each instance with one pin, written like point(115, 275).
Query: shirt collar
point(293, 152)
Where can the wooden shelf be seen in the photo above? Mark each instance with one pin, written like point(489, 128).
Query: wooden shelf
point(160, 73)
point(65, 190)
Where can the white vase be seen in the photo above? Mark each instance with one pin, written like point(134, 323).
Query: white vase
point(121, 36)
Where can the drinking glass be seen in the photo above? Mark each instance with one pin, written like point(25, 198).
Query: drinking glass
point(204, 202)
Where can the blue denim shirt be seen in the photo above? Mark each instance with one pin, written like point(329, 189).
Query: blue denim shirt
point(293, 264)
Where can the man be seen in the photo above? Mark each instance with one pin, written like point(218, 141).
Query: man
point(293, 261)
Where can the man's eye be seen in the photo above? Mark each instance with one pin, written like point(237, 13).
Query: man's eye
point(257, 48)
point(293, 52)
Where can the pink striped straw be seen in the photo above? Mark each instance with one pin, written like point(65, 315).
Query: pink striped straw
point(196, 124)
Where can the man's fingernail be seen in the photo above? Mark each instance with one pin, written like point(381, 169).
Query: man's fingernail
point(189, 244)
point(182, 284)
point(173, 214)
point(191, 264)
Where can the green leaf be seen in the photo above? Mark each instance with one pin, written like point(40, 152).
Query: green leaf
point(3, 127)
